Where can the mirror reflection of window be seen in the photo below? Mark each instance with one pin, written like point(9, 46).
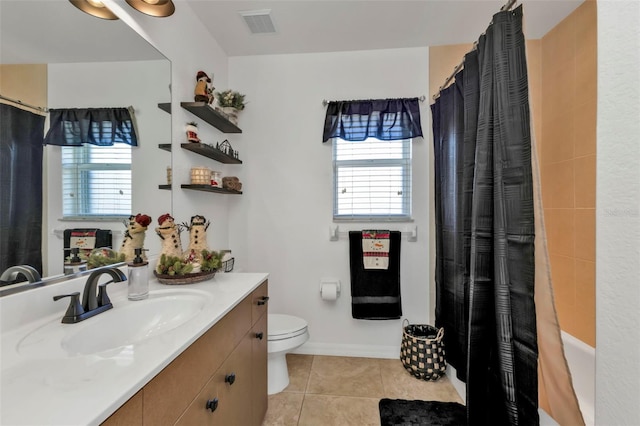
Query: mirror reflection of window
point(96, 181)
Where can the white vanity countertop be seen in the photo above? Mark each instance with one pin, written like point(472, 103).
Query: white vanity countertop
point(51, 387)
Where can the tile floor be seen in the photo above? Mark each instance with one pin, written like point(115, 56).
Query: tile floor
point(345, 391)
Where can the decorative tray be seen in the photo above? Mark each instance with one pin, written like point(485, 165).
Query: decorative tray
point(184, 279)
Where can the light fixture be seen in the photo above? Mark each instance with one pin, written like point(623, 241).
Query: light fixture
point(158, 8)
point(94, 8)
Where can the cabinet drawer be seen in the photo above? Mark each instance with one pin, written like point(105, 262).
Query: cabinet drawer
point(173, 389)
point(232, 407)
point(259, 301)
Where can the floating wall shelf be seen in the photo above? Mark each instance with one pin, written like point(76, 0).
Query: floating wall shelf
point(165, 146)
point(216, 119)
point(164, 187)
point(210, 152)
point(209, 188)
point(165, 106)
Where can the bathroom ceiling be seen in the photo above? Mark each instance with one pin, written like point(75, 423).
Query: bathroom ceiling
point(53, 31)
point(304, 26)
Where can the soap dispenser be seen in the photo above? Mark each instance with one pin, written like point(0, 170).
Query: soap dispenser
point(138, 277)
point(74, 264)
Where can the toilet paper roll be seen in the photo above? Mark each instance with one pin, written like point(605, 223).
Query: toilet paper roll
point(329, 291)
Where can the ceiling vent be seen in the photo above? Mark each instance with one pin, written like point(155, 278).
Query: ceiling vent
point(259, 21)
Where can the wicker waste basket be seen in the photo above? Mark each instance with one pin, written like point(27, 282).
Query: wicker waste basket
point(422, 351)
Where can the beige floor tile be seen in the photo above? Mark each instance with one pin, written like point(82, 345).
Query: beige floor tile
point(284, 409)
point(332, 375)
point(399, 384)
point(324, 410)
point(299, 368)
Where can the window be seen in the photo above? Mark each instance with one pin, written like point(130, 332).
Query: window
point(372, 180)
point(96, 181)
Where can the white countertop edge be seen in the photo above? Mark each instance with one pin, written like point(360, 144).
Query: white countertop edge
point(92, 402)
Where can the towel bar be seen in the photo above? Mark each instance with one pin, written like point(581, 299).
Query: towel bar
point(335, 233)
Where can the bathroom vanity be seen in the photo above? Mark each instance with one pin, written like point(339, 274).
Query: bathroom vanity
point(203, 361)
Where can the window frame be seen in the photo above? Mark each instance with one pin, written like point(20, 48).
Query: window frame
point(81, 168)
point(406, 162)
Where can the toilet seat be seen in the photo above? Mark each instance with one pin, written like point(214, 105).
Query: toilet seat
point(283, 327)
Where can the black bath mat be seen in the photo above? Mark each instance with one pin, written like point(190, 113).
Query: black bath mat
point(402, 412)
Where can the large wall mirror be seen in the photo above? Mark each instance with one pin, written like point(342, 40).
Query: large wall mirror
point(55, 56)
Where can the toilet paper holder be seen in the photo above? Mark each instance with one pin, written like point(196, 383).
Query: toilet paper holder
point(335, 281)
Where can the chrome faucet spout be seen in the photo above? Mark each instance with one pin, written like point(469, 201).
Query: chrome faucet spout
point(29, 272)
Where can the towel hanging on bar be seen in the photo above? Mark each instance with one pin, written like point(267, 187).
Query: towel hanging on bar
point(375, 293)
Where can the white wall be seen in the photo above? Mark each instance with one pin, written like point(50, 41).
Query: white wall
point(183, 39)
point(618, 215)
point(281, 222)
point(141, 84)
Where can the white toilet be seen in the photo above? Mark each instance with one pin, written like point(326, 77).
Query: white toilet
point(286, 333)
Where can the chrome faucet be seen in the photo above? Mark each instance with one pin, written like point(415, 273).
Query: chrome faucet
point(92, 304)
point(29, 272)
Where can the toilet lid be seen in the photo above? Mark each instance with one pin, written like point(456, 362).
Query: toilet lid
point(282, 325)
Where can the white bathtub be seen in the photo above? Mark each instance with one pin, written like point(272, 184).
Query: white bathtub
point(582, 363)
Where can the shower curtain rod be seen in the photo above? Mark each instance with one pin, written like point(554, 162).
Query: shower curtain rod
point(458, 67)
point(326, 102)
point(19, 102)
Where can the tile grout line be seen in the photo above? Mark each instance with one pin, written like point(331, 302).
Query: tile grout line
point(306, 387)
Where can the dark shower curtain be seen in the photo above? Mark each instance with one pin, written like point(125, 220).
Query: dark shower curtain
point(485, 228)
point(21, 136)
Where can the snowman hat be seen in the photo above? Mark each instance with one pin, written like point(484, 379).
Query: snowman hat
point(202, 74)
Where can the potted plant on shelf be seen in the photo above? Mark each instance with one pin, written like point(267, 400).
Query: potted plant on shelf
point(231, 103)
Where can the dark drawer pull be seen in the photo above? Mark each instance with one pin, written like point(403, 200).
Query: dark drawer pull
point(259, 335)
point(230, 378)
point(263, 300)
point(212, 404)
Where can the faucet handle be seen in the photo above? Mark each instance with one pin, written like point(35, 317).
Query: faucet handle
point(75, 308)
point(103, 297)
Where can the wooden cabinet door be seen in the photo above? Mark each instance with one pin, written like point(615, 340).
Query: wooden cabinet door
point(259, 302)
point(169, 394)
point(235, 398)
point(259, 370)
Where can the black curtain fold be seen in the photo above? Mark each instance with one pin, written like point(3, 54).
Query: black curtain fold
point(21, 135)
point(384, 119)
point(485, 228)
point(96, 126)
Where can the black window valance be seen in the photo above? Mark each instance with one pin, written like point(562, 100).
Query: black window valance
point(384, 119)
point(96, 126)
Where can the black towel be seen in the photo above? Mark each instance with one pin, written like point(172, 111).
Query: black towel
point(375, 293)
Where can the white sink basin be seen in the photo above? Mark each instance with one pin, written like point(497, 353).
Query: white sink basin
point(128, 323)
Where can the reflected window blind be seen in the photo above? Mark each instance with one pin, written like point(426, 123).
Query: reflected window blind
point(372, 180)
point(96, 181)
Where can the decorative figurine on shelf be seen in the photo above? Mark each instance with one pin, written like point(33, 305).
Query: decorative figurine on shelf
point(134, 236)
point(169, 233)
point(192, 132)
point(204, 89)
point(197, 238)
point(226, 147)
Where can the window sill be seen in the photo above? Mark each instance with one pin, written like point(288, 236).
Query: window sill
point(372, 220)
point(115, 219)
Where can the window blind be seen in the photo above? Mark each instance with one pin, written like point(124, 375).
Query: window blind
point(96, 181)
point(372, 180)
